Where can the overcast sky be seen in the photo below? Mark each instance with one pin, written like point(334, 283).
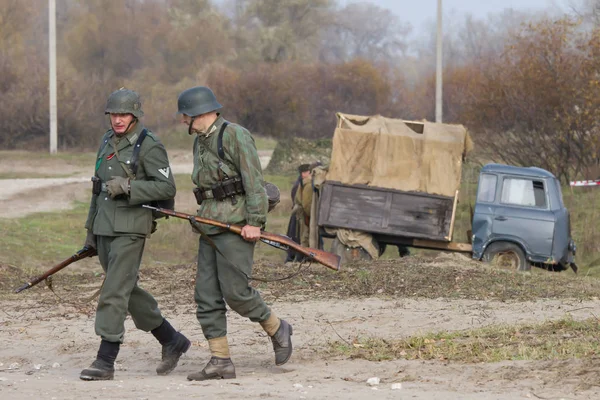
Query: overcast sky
point(419, 12)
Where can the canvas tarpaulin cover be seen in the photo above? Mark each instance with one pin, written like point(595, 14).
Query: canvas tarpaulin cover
point(397, 154)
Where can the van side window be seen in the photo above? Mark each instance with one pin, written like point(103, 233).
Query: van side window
point(523, 192)
point(487, 188)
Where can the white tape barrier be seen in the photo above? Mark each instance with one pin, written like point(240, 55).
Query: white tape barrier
point(586, 183)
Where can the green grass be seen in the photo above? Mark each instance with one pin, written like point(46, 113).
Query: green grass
point(551, 340)
point(43, 237)
point(177, 138)
point(46, 238)
point(265, 143)
point(584, 207)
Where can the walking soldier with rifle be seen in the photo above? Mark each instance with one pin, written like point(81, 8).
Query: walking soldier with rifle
point(229, 188)
point(132, 168)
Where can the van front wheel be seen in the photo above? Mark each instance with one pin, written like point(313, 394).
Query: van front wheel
point(506, 255)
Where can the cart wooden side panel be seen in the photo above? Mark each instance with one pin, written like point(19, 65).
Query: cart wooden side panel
point(386, 211)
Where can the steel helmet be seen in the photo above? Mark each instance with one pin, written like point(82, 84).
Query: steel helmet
point(124, 101)
point(197, 101)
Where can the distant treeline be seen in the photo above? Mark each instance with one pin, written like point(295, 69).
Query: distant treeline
point(526, 87)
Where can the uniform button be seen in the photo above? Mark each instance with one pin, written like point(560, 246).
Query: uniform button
point(106, 198)
point(109, 167)
point(127, 161)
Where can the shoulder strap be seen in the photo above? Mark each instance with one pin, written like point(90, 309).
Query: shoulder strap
point(136, 151)
point(220, 150)
point(220, 153)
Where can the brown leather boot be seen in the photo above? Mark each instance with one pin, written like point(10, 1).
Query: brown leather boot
point(282, 343)
point(217, 368)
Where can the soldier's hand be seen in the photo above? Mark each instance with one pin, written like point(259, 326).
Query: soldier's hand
point(117, 186)
point(251, 233)
point(90, 240)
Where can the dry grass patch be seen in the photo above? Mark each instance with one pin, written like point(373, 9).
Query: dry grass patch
point(411, 277)
point(552, 340)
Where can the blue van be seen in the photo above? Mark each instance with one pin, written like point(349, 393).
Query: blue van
point(520, 218)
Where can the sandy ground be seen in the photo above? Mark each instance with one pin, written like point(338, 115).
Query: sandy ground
point(45, 342)
point(46, 345)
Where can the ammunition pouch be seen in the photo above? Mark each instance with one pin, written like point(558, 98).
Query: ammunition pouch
point(227, 188)
point(230, 187)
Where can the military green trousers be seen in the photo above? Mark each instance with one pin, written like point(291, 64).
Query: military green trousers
point(120, 257)
point(224, 280)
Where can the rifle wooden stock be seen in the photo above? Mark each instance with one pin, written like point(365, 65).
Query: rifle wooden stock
point(325, 258)
point(83, 253)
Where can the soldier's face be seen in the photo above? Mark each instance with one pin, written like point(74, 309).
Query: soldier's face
point(120, 122)
point(201, 122)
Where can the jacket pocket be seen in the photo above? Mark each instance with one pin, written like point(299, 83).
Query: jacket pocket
point(135, 220)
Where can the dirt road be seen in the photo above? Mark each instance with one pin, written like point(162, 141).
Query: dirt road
point(46, 345)
point(20, 197)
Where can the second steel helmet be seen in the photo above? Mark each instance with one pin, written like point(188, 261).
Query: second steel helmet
point(197, 101)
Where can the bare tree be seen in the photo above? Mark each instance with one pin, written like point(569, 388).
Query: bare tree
point(364, 30)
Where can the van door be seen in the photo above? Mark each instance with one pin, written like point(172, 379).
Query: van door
point(523, 214)
point(483, 216)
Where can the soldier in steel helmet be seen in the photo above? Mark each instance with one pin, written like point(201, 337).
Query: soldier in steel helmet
point(226, 162)
point(117, 227)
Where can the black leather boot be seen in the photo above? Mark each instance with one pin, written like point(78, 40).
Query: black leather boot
point(217, 368)
point(171, 353)
point(174, 344)
point(103, 368)
point(282, 343)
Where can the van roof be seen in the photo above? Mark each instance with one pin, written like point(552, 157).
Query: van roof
point(512, 170)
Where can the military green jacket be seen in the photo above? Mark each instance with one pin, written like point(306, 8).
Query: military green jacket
point(241, 159)
point(154, 181)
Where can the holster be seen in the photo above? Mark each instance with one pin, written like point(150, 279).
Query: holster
point(198, 195)
point(96, 185)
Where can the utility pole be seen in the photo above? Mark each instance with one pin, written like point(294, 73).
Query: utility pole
point(52, 80)
point(438, 67)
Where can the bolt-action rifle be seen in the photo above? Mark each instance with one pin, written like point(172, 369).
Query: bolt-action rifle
point(282, 242)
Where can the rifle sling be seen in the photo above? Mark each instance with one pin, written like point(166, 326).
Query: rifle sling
point(134, 157)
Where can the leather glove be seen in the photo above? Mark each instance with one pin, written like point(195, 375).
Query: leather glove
point(117, 186)
point(90, 240)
